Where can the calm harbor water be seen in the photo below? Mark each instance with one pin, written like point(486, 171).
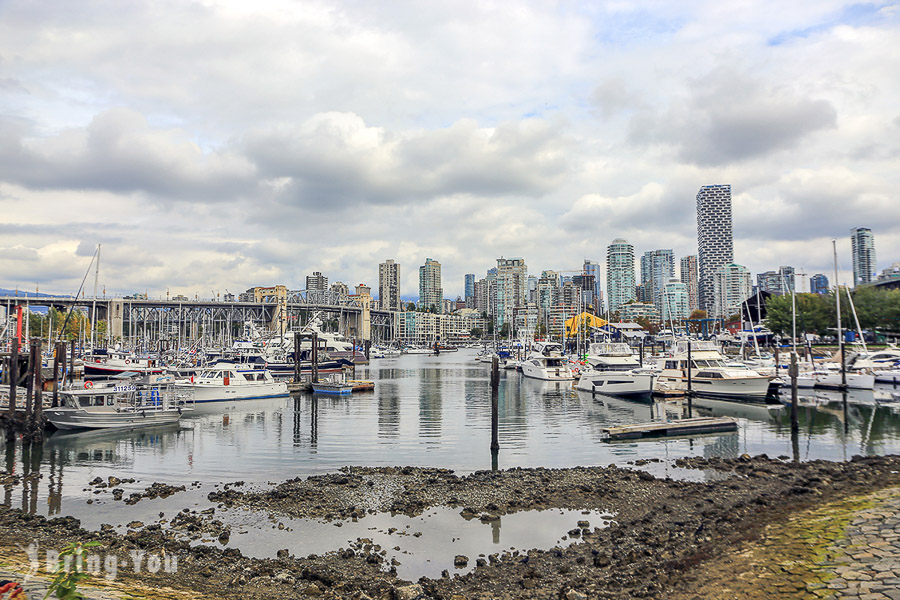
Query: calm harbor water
point(427, 411)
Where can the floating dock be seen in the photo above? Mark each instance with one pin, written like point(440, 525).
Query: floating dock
point(670, 429)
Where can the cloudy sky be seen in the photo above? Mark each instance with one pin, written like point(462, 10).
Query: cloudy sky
point(217, 145)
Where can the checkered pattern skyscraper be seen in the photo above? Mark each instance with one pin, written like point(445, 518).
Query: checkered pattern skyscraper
point(715, 241)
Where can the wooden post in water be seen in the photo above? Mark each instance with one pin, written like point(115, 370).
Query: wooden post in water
point(29, 383)
point(60, 375)
point(296, 358)
point(368, 346)
point(13, 375)
point(690, 390)
point(495, 390)
point(36, 425)
point(795, 420)
point(315, 357)
point(72, 361)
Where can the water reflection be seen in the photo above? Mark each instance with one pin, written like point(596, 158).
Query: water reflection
point(430, 411)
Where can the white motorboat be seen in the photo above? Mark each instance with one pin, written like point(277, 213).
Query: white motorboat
point(225, 382)
point(710, 375)
point(614, 370)
point(123, 404)
point(546, 362)
point(857, 380)
point(119, 363)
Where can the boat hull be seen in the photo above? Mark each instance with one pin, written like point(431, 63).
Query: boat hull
point(614, 383)
point(738, 387)
point(64, 418)
point(210, 393)
point(547, 373)
point(856, 381)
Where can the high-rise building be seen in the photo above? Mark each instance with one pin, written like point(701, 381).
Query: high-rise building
point(689, 278)
point(818, 284)
point(389, 285)
point(431, 294)
point(619, 273)
point(548, 288)
point(657, 268)
point(470, 290)
point(512, 288)
point(787, 277)
point(768, 282)
point(862, 245)
point(731, 286)
point(339, 288)
point(675, 302)
point(532, 289)
point(714, 239)
point(593, 268)
point(316, 285)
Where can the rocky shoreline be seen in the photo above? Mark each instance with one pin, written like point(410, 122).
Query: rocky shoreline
point(664, 529)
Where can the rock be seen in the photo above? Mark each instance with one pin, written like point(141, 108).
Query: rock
point(584, 524)
point(135, 525)
point(408, 592)
point(460, 560)
point(114, 481)
point(312, 590)
point(283, 553)
point(575, 595)
point(284, 577)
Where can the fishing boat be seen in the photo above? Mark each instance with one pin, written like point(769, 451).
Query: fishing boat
point(122, 404)
point(225, 382)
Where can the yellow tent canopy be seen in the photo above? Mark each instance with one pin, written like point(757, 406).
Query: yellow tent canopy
point(577, 321)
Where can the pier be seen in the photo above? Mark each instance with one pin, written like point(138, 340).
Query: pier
point(679, 427)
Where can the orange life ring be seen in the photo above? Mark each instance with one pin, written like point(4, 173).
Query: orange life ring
point(88, 385)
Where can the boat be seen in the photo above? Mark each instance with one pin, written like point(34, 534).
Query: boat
point(614, 370)
point(709, 373)
point(224, 382)
point(340, 388)
point(546, 362)
point(122, 404)
point(114, 364)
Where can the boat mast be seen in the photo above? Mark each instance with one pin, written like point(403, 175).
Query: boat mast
point(94, 303)
point(837, 296)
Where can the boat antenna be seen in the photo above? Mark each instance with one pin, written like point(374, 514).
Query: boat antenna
point(78, 293)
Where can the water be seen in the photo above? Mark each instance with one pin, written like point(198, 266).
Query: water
point(427, 411)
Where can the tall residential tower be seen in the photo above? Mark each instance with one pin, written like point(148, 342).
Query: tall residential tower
point(389, 285)
point(862, 245)
point(714, 239)
point(689, 278)
point(619, 273)
point(431, 294)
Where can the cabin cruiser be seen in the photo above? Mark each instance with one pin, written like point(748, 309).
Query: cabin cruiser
point(547, 362)
point(709, 374)
point(611, 368)
point(117, 363)
point(224, 382)
point(121, 404)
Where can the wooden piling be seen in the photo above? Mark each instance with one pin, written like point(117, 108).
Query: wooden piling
point(71, 361)
point(315, 357)
point(794, 369)
point(297, 341)
point(495, 390)
point(690, 390)
point(36, 425)
point(13, 375)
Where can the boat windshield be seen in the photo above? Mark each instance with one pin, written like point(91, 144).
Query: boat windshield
point(701, 364)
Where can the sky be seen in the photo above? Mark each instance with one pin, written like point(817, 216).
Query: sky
point(218, 145)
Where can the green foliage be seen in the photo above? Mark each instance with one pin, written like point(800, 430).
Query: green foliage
point(504, 330)
point(476, 333)
point(699, 314)
point(816, 313)
point(67, 578)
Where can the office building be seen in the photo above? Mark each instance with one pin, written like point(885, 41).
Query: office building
point(688, 274)
point(389, 285)
point(431, 294)
point(714, 239)
point(862, 247)
point(818, 284)
point(619, 273)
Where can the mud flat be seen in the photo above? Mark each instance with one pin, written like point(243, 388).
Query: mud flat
point(665, 531)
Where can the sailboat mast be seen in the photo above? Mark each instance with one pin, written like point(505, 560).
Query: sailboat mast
point(840, 333)
point(94, 303)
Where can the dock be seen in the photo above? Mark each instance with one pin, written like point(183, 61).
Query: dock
point(670, 429)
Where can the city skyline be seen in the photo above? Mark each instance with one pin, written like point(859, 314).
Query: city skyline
point(241, 157)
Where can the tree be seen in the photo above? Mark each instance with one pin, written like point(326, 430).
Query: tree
point(490, 327)
point(540, 331)
point(504, 330)
point(411, 306)
point(476, 333)
point(699, 314)
point(815, 313)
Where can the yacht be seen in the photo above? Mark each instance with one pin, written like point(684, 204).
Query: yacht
point(116, 363)
point(547, 362)
point(710, 375)
point(613, 369)
point(224, 382)
point(122, 404)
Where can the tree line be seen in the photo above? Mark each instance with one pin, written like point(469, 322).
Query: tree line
point(878, 310)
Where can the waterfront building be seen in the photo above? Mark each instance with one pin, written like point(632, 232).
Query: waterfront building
point(731, 286)
point(639, 310)
point(431, 294)
point(714, 239)
point(470, 290)
point(512, 288)
point(862, 246)
point(688, 274)
point(657, 268)
point(389, 285)
point(675, 306)
point(818, 284)
point(415, 327)
point(892, 272)
point(619, 273)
